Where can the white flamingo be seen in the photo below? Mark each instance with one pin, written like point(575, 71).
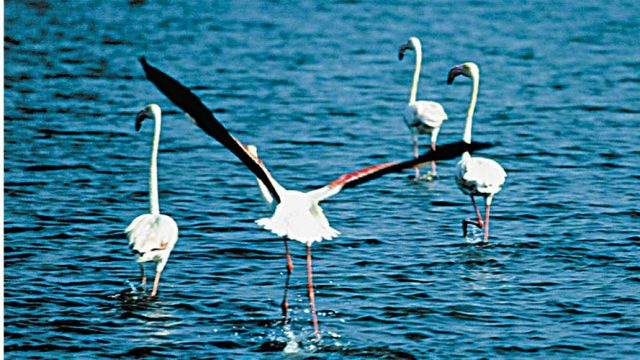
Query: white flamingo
point(422, 117)
point(152, 236)
point(298, 215)
point(476, 176)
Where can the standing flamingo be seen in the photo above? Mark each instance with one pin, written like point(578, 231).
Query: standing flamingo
point(152, 236)
point(298, 215)
point(422, 117)
point(476, 176)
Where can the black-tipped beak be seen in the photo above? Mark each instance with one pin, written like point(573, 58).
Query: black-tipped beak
point(403, 49)
point(140, 118)
point(455, 71)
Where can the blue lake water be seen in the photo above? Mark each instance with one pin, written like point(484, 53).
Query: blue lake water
point(318, 87)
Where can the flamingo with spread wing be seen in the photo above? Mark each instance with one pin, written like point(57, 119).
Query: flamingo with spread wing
point(297, 215)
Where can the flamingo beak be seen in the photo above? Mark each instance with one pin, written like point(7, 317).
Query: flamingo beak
point(403, 49)
point(455, 71)
point(140, 118)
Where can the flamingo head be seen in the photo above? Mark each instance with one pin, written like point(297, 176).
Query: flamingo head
point(467, 69)
point(411, 44)
point(252, 150)
point(149, 112)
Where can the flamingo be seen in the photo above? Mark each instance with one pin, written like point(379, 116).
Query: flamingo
point(422, 117)
point(298, 215)
point(476, 176)
point(152, 236)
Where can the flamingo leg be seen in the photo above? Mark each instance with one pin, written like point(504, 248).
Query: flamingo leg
point(478, 215)
point(433, 163)
point(466, 222)
point(156, 281)
point(312, 301)
point(487, 207)
point(143, 279)
point(416, 154)
point(285, 305)
point(288, 255)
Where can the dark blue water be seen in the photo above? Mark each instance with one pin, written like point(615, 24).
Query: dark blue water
point(318, 87)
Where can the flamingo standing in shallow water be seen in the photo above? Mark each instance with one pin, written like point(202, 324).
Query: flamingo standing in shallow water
point(298, 215)
point(152, 236)
point(476, 176)
point(422, 117)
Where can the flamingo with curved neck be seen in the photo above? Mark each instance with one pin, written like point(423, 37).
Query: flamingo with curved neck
point(152, 236)
point(476, 176)
point(421, 117)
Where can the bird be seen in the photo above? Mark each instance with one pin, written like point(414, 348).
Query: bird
point(297, 215)
point(476, 176)
point(421, 117)
point(152, 236)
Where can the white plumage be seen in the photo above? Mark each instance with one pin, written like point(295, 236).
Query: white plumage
point(476, 176)
point(152, 236)
point(299, 217)
point(480, 176)
point(424, 117)
point(421, 117)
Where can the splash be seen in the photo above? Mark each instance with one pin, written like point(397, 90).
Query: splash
point(292, 346)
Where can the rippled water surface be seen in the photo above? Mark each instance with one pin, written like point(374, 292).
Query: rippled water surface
point(318, 87)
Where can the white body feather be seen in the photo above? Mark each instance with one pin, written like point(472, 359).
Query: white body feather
point(299, 217)
point(480, 176)
point(423, 117)
point(152, 237)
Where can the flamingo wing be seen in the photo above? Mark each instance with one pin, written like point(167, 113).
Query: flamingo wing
point(353, 179)
point(191, 104)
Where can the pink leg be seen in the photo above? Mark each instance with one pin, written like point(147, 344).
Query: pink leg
point(312, 300)
point(289, 262)
point(466, 222)
point(285, 305)
point(433, 163)
point(478, 215)
point(416, 154)
point(143, 279)
point(486, 223)
point(156, 281)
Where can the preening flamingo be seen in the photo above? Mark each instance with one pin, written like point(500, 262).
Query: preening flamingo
point(152, 236)
point(422, 117)
point(476, 176)
point(297, 215)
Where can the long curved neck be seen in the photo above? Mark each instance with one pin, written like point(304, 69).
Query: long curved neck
point(416, 73)
point(475, 77)
point(153, 168)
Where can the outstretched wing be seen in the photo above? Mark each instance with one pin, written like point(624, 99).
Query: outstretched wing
point(353, 179)
point(182, 97)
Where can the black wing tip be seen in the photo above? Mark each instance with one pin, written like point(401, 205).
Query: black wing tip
point(145, 64)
